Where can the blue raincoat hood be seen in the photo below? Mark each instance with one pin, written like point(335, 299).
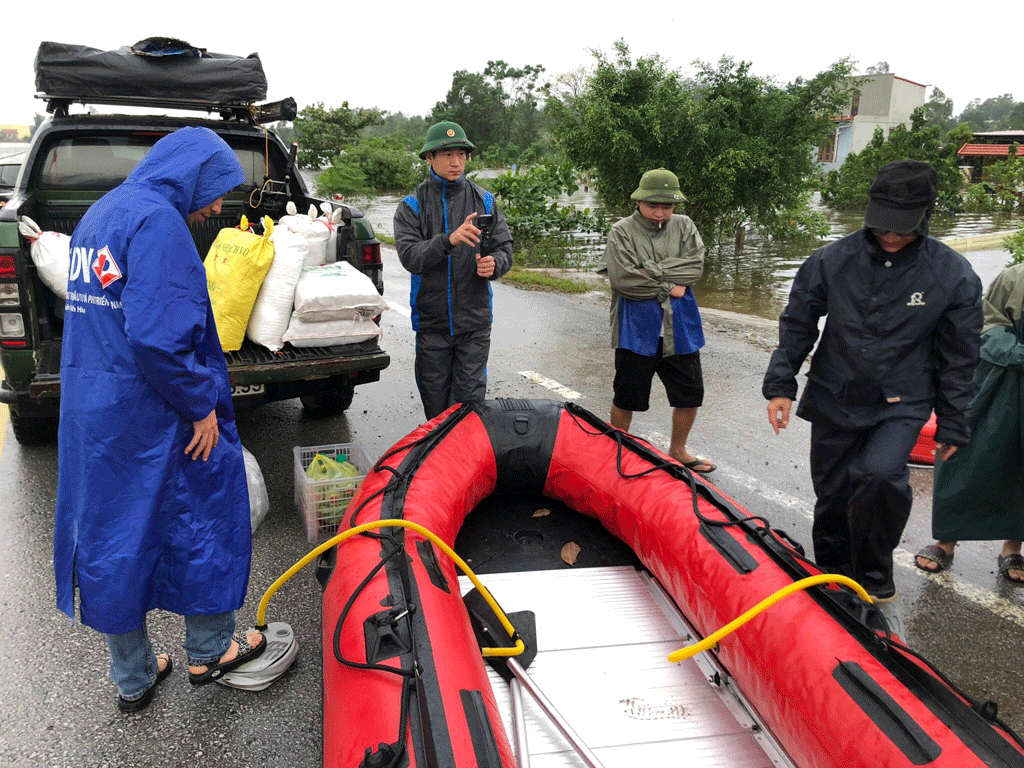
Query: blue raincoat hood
point(191, 167)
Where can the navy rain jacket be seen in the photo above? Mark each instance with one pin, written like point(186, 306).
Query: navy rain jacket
point(139, 524)
point(900, 337)
point(447, 295)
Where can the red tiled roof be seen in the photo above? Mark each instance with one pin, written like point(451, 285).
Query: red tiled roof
point(985, 150)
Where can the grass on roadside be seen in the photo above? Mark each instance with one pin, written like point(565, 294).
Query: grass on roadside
point(528, 279)
point(542, 281)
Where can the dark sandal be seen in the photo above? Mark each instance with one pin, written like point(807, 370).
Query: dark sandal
point(246, 653)
point(1009, 563)
point(692, 466)
point(934, 554)
point(139, 704)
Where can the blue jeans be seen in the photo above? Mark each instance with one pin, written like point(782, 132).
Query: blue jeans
point(133, 665)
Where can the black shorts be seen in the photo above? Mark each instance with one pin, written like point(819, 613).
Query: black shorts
point(681, 375)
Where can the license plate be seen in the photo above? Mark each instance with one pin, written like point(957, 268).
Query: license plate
point(244, 390)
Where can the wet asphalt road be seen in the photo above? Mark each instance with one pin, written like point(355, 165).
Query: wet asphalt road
point(56, 700)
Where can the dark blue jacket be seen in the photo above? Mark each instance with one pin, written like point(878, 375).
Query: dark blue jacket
point(900, 337)
point(447, 295)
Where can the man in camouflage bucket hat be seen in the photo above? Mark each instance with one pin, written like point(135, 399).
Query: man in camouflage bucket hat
point(443, 240)
point(652, 260)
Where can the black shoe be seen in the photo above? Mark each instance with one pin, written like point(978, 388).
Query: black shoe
point(881, 587)
point(139, 704)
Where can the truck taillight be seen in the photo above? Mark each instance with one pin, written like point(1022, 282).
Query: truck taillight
point(371, 255)
point(12, 325)
point(7, 266)
point(10, 296)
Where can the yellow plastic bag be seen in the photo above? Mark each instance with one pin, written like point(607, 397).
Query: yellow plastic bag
point(236, 264)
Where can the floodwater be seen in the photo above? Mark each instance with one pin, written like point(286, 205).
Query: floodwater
point(756, 281)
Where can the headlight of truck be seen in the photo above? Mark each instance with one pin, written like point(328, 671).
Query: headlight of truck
point(12, 326)
point(9, 294)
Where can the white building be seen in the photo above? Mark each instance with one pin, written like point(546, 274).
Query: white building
point(883, 100)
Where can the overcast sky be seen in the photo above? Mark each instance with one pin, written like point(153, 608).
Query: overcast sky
point(400, 56)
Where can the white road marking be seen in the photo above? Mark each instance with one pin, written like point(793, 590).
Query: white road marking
point(554, 386)
point(400, 309)
point(904, 558)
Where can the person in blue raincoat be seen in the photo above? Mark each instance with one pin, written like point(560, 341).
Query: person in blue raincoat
point(152, 503)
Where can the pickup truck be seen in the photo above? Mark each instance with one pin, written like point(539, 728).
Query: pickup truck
point(74, 159)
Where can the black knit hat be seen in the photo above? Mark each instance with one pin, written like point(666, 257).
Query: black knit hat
point(902, 196)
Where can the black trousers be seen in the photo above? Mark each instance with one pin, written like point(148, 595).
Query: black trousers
point(862, 484)
point(451, 369)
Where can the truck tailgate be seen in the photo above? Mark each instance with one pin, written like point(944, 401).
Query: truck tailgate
point(255, 364)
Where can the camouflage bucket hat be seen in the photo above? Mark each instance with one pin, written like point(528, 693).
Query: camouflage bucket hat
point(445, 135)
point(658, 186)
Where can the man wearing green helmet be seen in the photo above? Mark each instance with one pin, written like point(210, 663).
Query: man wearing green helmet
point(454, 241)
point(652, 260)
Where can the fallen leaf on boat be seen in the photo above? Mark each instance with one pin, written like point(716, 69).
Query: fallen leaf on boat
point(570, 552)
point(542, 513)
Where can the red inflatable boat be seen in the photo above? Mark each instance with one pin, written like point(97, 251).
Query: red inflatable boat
point(923, 452)
point(404, 682)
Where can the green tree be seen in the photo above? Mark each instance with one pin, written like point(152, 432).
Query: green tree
point(938, 110)
point(1006, 180)
point(285, 131)
point(407, 129)
point(324, 132)
point(542, 228)
point(740, 145)
point(1015, 245)
point(847, 188)
point(998, 113)
point(498, 108)
point(375, 164)
point(881, 68)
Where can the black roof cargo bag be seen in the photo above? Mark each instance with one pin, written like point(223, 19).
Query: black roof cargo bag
point(154, 68)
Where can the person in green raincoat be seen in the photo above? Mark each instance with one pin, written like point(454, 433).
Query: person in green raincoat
point(979, 491)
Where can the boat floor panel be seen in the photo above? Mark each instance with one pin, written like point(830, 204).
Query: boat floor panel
point(602, 644)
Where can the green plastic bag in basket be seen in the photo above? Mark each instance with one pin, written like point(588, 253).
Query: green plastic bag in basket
point(332, 498)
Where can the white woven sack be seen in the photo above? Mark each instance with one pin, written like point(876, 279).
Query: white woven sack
point(51, 253)
point(273, 307)
point(331, 220)
point(329, 333)
point(336, 292)
point(315, 232)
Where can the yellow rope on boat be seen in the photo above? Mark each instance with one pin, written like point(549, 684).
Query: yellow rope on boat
point(515, 650)
point(712, 640)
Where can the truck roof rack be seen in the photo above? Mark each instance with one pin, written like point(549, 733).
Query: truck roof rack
point(255, 114)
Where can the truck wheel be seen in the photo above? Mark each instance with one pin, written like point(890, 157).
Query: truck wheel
point(38, 431)
point(334, 400)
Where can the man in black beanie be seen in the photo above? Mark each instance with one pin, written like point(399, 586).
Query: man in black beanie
point(903, 317)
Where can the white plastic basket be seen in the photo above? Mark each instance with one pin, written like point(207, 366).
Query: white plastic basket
point(323, 503)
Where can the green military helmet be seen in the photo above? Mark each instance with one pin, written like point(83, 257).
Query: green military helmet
point(445, 135)
point(658, 186)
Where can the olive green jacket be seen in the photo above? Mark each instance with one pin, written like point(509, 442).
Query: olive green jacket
point(644, 261)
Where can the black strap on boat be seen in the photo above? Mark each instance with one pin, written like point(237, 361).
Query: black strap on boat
point(894, 721)
point(485, 745)
point(730, 549)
